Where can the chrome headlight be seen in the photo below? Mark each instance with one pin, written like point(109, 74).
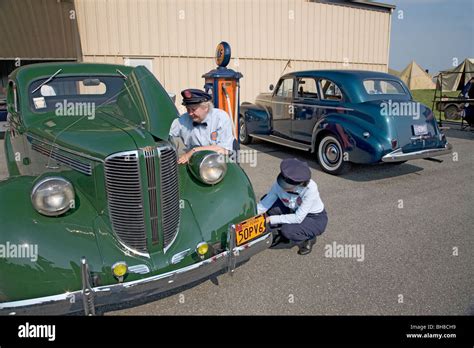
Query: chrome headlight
point(53, 196)
point(208, 167)
point(212, 168)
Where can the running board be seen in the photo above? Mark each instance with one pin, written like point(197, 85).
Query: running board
point(282, 141)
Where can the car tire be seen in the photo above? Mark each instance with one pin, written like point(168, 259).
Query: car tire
point(330, 156)
point(452, 113)
point(244, 136)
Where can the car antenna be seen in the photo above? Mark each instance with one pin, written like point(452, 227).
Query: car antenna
point(49, 79)
point(288, 64)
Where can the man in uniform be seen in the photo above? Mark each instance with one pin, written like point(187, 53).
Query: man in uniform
point(294, 207)
point(202, 127)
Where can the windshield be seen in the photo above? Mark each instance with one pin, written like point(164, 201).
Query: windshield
point(74, 95)
point(381, 87)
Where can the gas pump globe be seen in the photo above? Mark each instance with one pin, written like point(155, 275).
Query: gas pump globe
point(223, 84)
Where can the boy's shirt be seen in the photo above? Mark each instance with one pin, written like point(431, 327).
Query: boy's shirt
point(304, 203)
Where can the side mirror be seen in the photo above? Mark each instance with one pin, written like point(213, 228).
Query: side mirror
point(173, 97)
point(271, 87)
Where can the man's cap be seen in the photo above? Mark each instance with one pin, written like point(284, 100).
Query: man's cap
point(292, 173)
point(194, 96)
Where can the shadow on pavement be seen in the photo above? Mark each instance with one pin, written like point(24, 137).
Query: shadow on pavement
point(358, 172)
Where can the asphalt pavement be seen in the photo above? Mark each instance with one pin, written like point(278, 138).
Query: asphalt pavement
point(399, 241)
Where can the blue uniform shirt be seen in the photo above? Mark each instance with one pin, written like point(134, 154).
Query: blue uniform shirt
point(217, 131)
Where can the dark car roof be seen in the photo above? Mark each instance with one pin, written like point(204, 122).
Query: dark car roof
point(33, 71)
point(350, 81)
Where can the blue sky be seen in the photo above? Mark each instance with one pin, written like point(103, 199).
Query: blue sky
point(431, 32)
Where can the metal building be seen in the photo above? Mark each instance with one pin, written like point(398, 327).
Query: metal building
point(176, 39)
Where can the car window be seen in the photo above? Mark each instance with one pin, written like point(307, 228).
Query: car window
point(97, 90)
point(330, 90)
point(377, 86)
point(307, 88)
point(285, 89)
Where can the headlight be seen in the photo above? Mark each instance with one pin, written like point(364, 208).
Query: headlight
point(209, 167)
point(53, 196)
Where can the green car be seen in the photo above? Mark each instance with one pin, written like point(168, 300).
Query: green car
point(95, 210)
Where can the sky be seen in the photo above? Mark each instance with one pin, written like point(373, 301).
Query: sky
point(437, 34)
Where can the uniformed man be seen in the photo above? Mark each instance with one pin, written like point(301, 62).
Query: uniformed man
point(294, 208)
point(202, 127)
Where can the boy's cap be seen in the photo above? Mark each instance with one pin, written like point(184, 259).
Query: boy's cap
point(194, 96)
point(292, 173)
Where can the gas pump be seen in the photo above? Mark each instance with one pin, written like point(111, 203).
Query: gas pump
point(223, 84)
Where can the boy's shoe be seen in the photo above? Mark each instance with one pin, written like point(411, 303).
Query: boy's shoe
point(279, 239)
point(306, 247)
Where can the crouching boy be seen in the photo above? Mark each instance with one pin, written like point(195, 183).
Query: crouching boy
point(294, 209)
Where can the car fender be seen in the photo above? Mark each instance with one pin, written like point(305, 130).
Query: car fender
point(257, 118)
point(356, 146)
point(52, 246)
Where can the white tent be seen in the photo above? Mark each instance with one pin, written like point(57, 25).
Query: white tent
point(454, 79)
point(415, 77)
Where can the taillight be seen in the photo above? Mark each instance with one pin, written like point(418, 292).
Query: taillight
point(394, 144)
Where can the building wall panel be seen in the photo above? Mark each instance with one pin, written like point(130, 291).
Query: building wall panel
point(180, 36)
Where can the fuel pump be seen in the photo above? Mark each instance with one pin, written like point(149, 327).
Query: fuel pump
point(223, 84)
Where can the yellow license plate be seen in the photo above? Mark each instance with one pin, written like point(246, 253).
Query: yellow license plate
point(249, 229)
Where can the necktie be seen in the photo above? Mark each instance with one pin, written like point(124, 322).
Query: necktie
point(197, 124)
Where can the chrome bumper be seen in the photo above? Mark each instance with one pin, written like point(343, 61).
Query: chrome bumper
point(123, 292)
point(398, 155)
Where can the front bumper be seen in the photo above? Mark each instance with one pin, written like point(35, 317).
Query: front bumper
point(399, 156)
point(123, 292)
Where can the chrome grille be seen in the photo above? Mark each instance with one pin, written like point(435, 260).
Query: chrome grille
point(150, 154)
point(122, 177)
point(169, 187)
point(61, 157)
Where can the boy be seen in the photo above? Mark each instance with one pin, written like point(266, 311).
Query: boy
point(293, 206)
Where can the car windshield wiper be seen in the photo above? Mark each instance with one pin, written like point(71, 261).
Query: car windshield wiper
point(48, 80)
point(121, 73)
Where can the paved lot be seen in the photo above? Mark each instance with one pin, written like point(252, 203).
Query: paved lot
point(408, 252)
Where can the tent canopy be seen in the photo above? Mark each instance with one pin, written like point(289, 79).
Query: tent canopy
point(454, 79)
point(393, 72)
point(415, 77)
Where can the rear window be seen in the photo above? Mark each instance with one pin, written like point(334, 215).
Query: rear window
point(378, 86)
point(65, 92)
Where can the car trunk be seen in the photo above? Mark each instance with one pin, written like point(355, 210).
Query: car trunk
point(412, 124)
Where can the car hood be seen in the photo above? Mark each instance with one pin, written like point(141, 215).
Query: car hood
point(97, 137)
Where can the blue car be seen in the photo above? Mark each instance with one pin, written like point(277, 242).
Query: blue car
point(344, 117)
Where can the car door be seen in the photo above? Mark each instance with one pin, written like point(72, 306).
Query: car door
point(282, 108)
point(332, 98)
point(306, 110)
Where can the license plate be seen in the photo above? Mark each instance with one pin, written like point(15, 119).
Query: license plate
point(420, 129)
point(249, 229)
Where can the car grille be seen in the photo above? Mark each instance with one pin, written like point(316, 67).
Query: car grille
point(123, 183)
point(169, 194)
point(126, 203)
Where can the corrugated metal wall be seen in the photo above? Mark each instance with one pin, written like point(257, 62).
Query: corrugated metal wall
point(38, 30)
point(181, 35)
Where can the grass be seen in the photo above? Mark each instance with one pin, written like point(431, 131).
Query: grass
point(425, 96)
